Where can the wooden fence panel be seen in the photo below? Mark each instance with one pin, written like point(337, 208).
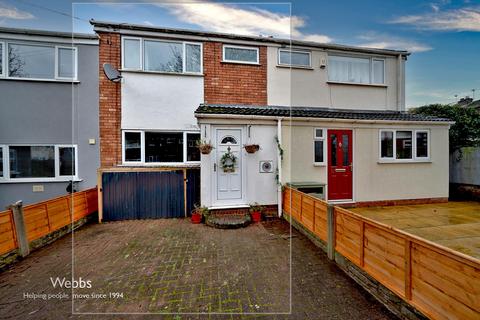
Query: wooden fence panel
point(8, 241)
point(296, 205)
point(347, 235)
point(287, 198)
point(307, 215)
point(384, 257)
point(320, 227)
point(45, 217)
point(36, 221)
point(442, 287)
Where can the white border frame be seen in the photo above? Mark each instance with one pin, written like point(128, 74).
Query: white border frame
point(57, 178)
point(414, 158)
point(370, 58)
point(315, 138)
point(256, 49)
point(294, 65)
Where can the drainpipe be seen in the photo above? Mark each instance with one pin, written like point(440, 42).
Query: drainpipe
point(399, 83)
point(279, 166)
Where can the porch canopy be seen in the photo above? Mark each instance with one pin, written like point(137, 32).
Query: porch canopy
point(254, 111)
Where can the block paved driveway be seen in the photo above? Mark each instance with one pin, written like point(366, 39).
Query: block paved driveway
point(168, 266)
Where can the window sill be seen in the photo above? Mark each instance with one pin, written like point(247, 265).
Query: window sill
point(163, 73)
point(358, 84)
point(241, 62)
point(294, 67)
point(39, 180)
point(319, 164)
point(41, 80)
point(403, 161)
point(161, 165)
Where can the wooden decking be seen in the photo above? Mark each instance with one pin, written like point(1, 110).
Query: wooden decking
point(454, 224)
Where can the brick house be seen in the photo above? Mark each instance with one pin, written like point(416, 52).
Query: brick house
point(337, 112)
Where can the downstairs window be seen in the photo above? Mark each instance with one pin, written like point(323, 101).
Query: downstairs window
point(404, 145)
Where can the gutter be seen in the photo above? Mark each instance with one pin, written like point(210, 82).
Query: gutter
point(310, 119)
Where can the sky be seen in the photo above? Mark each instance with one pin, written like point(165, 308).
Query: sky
point(443, 35)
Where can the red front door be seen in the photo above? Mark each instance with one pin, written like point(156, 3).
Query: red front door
point(340, 184)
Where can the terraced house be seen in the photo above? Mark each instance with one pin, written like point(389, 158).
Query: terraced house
point(325, 118)
point(48, 114)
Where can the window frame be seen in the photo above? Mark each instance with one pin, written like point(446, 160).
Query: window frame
point(4, 60)
point(322, 138)
point(142, 161)
point(414, 146)
point(142, 50)
point(257, 49)
point(57, 178)
point(294, 65)
point(428, 144)
point(370, 58)
point(57, 60)
point(6, 68)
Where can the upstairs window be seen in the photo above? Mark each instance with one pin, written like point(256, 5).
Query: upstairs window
point(237, 54)
point(294, 58)
point(38, 62)
point(404, 145)
point(161, 56)
point(356, 70)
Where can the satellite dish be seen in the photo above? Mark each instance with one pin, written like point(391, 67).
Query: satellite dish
point(111, 73)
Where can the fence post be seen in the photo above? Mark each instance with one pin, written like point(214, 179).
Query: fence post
point(20, 229)
point(330, 232)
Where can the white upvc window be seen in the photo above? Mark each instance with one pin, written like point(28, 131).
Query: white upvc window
point(294, 58)
point(319, 146)
point(356, 69)
point(22, 60)
point(163, 56)
point(240, 54)
point(38, 163)
point(404, 145)
point(144, 147)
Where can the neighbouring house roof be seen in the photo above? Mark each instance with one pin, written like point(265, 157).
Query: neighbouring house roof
point(118, 27)
point(57, 34)
point(204, 110)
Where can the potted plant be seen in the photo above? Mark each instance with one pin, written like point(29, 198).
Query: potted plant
point(198, 213)
point(204, 146)
point(256, 212)
point(251, 148)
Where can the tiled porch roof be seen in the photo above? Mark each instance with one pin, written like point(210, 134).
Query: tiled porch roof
point(311, 112)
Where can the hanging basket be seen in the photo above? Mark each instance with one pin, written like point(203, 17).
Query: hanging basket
point(251, 148)
point(205, 148)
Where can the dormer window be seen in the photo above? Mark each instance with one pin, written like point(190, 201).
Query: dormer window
point(356, 70)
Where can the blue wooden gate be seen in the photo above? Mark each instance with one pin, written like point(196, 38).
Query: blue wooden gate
point(143, 195)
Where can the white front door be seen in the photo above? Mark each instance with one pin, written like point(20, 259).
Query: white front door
point(228, 186)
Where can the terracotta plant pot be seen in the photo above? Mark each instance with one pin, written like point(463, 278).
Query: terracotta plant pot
point(205, 148)
point(196, 218)
point(251, 148)
point(256, 216)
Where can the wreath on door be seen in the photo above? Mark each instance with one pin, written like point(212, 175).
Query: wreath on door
point(228, 161)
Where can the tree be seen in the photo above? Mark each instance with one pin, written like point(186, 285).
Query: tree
point(466, 130)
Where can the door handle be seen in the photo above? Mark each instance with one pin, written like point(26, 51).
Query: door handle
point(214, 167)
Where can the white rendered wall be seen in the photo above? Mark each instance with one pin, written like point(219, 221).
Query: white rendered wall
point(160, 101)
point(260, 187)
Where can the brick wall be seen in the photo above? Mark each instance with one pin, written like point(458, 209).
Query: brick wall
point(110, 100)
point(232, 83)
